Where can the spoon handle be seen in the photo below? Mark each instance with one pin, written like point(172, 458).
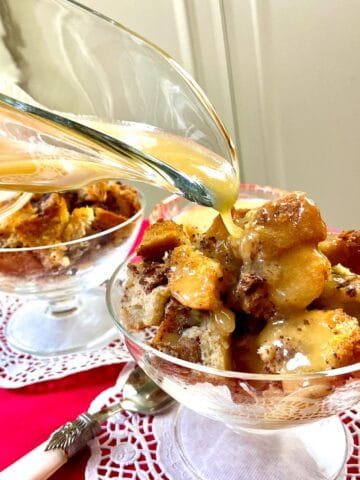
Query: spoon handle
point(44, 460)
point(38, 464)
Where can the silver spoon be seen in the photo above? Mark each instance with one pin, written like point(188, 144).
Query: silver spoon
point(140, 394)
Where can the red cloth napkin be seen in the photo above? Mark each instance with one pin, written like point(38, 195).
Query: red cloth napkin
point(30, 414)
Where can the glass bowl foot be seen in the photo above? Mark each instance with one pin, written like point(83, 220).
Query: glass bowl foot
point(210, 451)
point(72, 325)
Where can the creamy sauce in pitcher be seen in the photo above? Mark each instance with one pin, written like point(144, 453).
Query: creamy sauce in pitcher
point(41, 168)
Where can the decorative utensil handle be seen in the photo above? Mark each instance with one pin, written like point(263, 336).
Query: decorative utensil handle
point(44, 460)
point(38, 464)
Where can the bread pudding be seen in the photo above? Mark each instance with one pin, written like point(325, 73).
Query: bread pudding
point(281, 296)
point(59, 218)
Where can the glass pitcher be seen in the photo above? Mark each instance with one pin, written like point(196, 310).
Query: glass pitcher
point(81, 87)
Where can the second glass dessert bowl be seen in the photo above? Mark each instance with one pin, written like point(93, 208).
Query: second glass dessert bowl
point(66, 310)
point(297, 412)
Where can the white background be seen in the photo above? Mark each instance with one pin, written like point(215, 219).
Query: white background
point(284, 76)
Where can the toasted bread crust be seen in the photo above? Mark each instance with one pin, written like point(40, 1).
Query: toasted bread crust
point(161, 237)
point(343, 248)
point(291, 311)
point(54, 218)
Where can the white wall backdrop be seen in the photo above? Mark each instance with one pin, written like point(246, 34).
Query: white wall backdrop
point(284, 76)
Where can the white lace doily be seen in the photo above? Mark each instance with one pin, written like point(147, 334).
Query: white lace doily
point(19, 369)
point(139, 447)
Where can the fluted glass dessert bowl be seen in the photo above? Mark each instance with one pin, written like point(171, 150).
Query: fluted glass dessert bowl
point(299, 412)
point(65, 309)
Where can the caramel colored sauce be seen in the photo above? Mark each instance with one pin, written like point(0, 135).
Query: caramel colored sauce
point(193, 279)
point(224, 320)
point(35, 167)
point(202, 217)
point(310, 335)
